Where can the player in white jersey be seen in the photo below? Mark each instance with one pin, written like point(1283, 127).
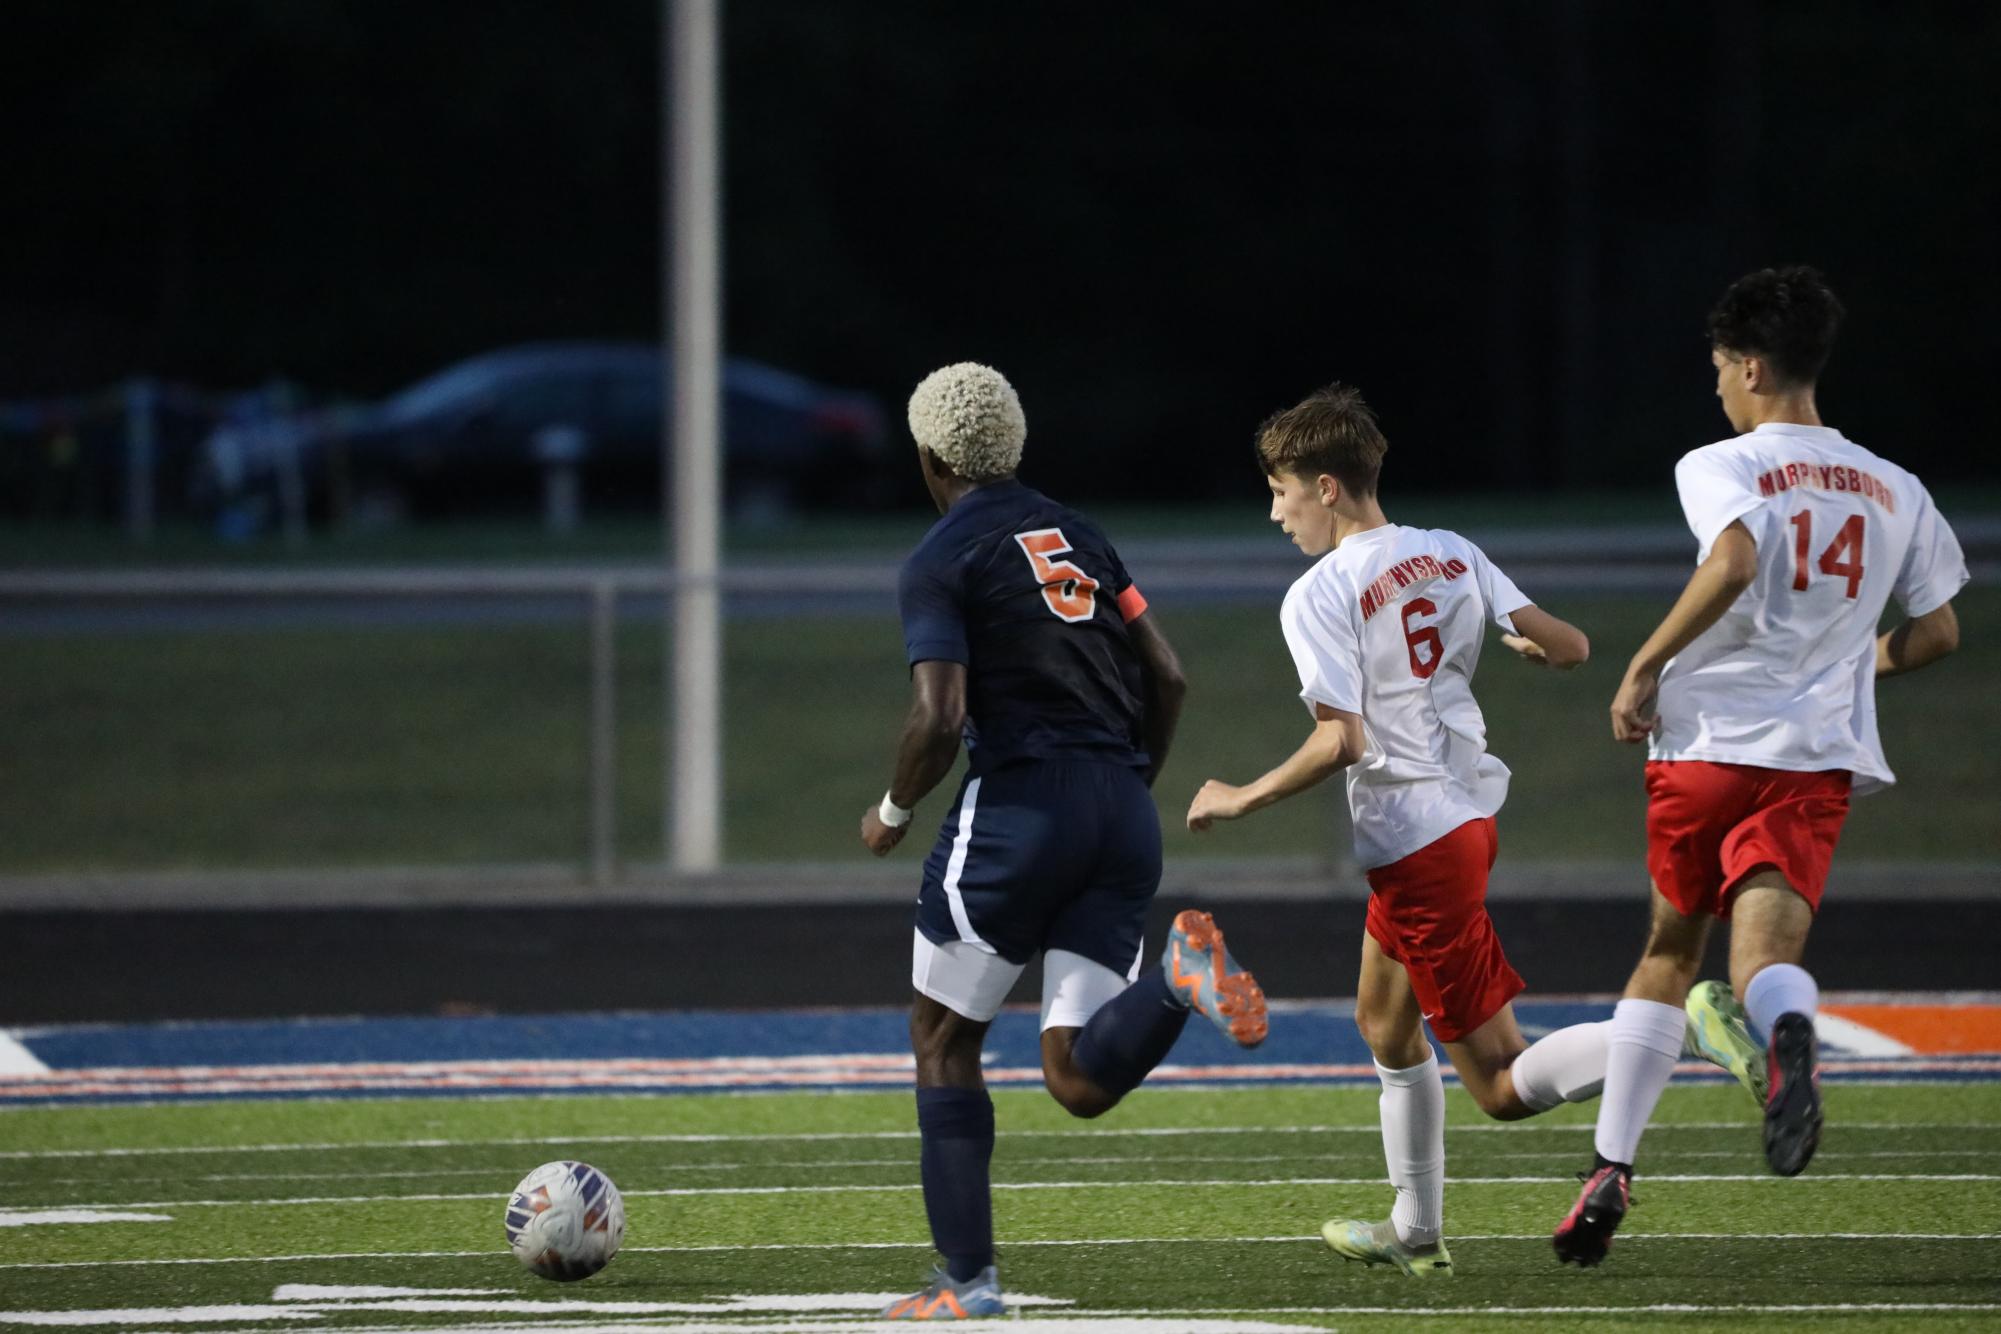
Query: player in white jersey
point(1757, 697)
point(1386, 630)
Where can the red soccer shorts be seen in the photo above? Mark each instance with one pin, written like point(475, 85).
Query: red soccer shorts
point(1428, 911)
point(1709, 826)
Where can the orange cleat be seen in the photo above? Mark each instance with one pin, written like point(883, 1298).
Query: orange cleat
point(1201, 972)
point(977, 1298)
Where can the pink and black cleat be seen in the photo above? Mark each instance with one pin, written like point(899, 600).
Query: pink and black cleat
point(1585, 1235)
point(1792, 1103)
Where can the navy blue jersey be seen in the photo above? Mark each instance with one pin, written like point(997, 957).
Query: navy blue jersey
point(1030, 596)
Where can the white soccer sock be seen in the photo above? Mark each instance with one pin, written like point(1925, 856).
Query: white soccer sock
point(1776, 989)
point(1413, 1115)
point(1643, 1042)
point(1565, 1066)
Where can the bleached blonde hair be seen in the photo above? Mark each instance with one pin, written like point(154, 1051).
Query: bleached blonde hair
point(969, 417)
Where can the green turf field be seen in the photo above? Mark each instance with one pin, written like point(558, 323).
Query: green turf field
point(1181, 1202)
point(467, 744)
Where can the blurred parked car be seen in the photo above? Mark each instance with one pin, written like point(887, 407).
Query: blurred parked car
point(478, 437)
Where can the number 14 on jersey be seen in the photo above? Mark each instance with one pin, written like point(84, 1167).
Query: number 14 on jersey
point(1843, 557)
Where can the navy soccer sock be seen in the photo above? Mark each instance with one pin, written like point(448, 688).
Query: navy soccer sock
point(957, 1127)
point(1130, 1034)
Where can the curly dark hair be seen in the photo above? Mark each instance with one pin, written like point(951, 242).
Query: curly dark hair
point(1331, 431)
point(1787, 317)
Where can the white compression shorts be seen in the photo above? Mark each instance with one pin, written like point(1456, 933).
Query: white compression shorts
point(973, 982)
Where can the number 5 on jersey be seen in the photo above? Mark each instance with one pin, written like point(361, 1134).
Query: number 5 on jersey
point(1070, 593)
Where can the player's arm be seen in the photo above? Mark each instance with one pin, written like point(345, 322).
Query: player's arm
point(1934, 570)
point(1546, 640)
point(1716, 584)
point(1336, 742)
point(1918, 642)
point(926, 749)
point(1166, 688)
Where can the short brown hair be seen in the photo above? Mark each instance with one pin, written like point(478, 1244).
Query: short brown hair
point(1787, 316)
point(1331, 431)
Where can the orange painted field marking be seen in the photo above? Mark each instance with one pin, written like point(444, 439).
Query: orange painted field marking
point(1932, 1030)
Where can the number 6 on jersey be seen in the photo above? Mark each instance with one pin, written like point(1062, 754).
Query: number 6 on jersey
point(1426, 635)
point(1070, 593)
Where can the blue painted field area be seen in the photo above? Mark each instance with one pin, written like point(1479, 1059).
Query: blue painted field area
point(705, 1051)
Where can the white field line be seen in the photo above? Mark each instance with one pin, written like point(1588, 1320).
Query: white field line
point(123, 1082)
point(1952, 1074)
point(71, 1217)
point(845, 1164)
point(1099, 1323)
point(1298, 1240)
point(1070, 1321)
point(889, 1187)
point(850, 1305)
point(1657, 1308)
point(831, 1165)
point(1339, 1007)
point(825, 1136)
point(161, 1315)
point(890, 1061)
point(6, 1182)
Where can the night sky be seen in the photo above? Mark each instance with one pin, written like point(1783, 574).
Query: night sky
point(1163, 221)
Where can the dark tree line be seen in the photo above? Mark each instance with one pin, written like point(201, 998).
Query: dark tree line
point(1504, 222)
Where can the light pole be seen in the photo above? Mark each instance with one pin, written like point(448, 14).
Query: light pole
point(691, 472)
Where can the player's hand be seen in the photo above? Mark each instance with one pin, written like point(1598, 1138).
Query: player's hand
point(1633, 717)
point(879, 836)
point(1216, 801)
point(1529, 650)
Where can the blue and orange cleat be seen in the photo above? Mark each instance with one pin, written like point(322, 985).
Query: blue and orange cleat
point(1201, 972)
point(978, 1298)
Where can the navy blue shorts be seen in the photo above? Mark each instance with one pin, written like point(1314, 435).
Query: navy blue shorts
point(1046, 855)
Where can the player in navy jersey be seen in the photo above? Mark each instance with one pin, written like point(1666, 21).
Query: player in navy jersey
point(1027, 638)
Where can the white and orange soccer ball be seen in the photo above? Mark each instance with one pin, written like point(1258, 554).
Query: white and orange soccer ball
point(565, 1221)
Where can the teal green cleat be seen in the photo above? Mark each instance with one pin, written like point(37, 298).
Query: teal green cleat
point(1377, 1244)
point(1720, 1032)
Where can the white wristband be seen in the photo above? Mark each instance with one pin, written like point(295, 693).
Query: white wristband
point(892, 814)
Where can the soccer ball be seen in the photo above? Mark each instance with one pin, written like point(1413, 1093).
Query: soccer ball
point(565, 1221)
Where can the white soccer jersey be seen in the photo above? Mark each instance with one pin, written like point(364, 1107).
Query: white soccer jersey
point(1389, 625)
point(1787, 679)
